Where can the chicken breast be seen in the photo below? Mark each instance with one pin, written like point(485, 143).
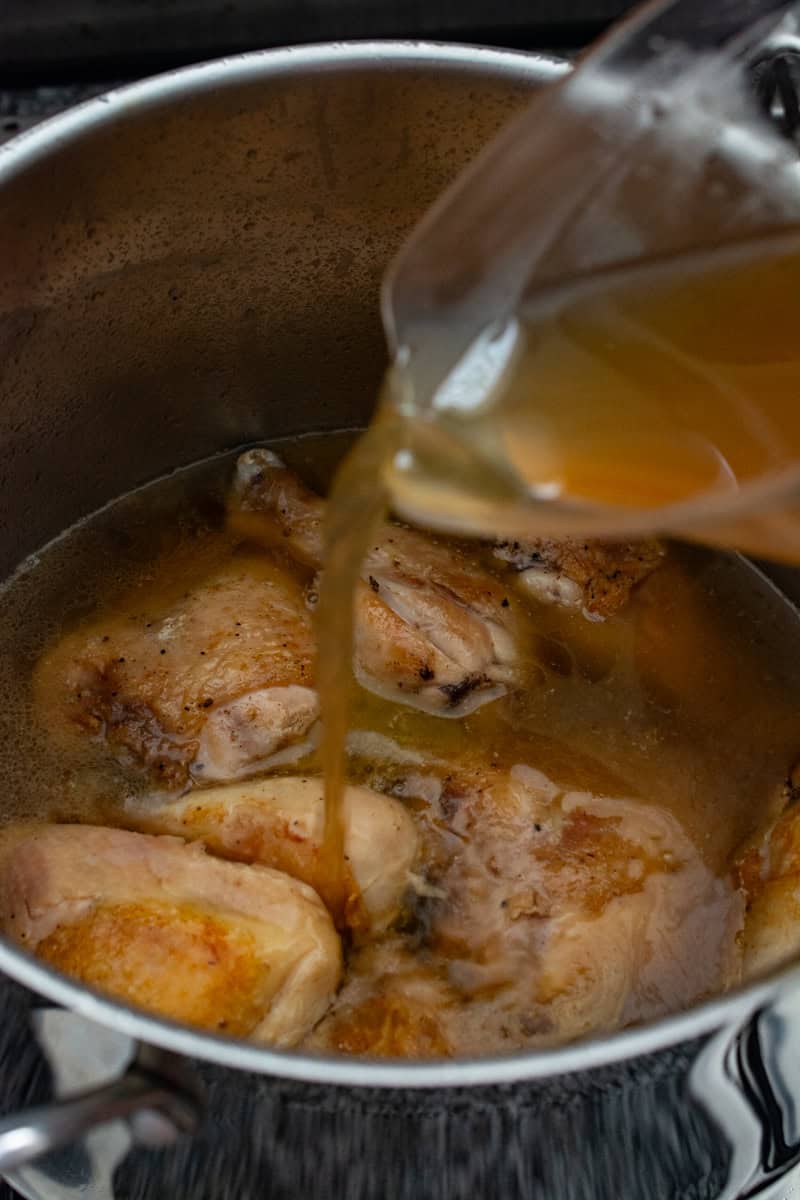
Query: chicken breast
point(768, 871)
point(280, 822)
point(432, 627)
point(208, 680)
point(595, 576)
point(158, 923)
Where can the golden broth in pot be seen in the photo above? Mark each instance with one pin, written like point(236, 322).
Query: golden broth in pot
point(536, 848)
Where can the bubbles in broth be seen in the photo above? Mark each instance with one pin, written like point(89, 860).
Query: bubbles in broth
point(555, 782)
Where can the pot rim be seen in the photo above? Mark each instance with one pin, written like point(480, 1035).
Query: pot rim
point(57, 131)
point(730, 1009)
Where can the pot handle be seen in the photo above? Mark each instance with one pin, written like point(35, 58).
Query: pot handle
point(158, 1110)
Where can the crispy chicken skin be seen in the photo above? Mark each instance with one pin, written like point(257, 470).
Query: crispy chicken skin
point(210, 684)
point(596, 576)
point(392, 1006)
point(280, 821)
point(432, 627)
point(165, 926)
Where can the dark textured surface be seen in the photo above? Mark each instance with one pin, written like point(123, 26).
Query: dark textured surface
point(528, 1143)
point(631, 1131)
point(21, 108)
point(67, 36)
point(26, 1076)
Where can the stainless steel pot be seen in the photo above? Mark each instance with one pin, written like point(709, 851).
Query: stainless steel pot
point(185, 265)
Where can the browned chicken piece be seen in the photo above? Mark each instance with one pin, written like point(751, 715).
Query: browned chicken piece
point(212, 682)
point(558, 913)
point(162, 925)
point(595, 576)
point(280, 822)
point(768, 871)
point(391, 1006)
point(432, 627)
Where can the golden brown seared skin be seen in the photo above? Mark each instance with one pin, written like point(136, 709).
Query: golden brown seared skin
point(163, 925)
point(211, 683)
point(280, 822)
point(597, 576)
point(391, 1006)
point(432, 627)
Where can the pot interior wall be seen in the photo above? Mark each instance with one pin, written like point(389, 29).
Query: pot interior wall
point(203, 270)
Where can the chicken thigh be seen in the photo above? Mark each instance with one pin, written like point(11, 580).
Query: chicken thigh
point(544, 914)
point(432, 627)
point(280, 822)
point(209, 681)
point(596, 576)
point(593, 912)
point(162, 925)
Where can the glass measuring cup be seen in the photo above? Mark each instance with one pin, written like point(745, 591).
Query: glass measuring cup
point(645, 184)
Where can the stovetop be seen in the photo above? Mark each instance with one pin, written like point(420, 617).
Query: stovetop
point(55, 53)
point(63, 40)
point(23, 107)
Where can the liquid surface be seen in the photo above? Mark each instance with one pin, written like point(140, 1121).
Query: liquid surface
point(659, 397)
point(576, 829)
